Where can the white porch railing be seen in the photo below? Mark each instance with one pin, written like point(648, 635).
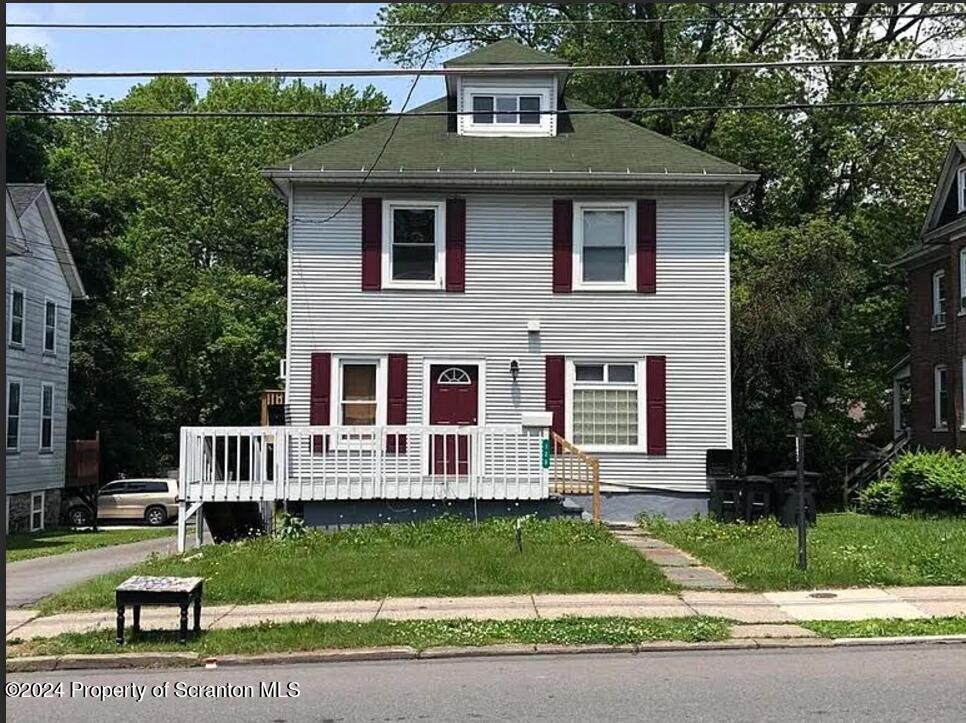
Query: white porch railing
point(229, 464)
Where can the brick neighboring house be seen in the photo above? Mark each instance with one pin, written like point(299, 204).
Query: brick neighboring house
point(936, 367)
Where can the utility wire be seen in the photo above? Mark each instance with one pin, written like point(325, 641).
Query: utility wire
point(485, 70)
point(897, 102)
point(482, 24)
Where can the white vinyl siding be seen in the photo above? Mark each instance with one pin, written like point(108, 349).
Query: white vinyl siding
point(508, 284)
point(40, 275)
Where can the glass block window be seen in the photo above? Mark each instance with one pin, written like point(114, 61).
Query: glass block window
point(605, 405)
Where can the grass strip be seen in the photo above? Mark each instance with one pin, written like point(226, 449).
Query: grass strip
point(887, 628)
point(58, 542)
point(420, 634)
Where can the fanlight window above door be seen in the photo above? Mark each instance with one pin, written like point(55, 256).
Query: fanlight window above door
point(454, 375)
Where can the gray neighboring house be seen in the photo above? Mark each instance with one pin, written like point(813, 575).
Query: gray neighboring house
point(42, 282)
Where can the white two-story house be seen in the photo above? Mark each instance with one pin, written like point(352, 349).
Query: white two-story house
point(42, 282)
point(518, 274)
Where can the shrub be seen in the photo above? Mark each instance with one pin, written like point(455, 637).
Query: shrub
point(931, 482)
point(881, 498)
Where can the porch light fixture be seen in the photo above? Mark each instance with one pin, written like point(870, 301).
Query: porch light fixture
point(514, 369)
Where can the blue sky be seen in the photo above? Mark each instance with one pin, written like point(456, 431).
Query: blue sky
point(207, 49)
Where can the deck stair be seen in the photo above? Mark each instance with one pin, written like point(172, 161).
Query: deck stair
point(574, 472)
point(872, 469)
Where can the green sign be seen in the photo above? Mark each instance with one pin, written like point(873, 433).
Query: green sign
point(545, 454)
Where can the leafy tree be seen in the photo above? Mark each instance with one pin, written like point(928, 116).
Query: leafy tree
point(27, 137)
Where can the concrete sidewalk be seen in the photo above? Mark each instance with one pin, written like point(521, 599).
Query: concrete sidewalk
point(742, 607)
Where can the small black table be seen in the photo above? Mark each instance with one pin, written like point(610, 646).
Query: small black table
point(142, 590)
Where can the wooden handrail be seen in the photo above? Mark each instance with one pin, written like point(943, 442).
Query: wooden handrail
point(573, 471)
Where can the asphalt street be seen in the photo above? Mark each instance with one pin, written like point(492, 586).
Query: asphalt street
point(895, 683)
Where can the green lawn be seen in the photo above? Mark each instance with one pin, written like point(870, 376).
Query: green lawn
point(887, 628)
point(440, 558)
point(57, 542)
point(844, 550)
point(420, 634)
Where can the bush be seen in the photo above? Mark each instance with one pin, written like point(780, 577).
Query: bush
point(931, 482)
point(881, 498)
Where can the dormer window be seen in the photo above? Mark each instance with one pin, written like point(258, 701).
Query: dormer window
point(507, 106)
point(961, 180)
point(506, 109)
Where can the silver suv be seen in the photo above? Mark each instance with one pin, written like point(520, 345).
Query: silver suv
point(152, 500)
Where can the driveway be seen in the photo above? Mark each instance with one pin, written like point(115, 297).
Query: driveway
point(30, 580)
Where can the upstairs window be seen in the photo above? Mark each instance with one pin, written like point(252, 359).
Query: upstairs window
point(506, 109)
point(16, 316)
point(962, 281)
point(604, 250)
point(961, 187)
point(939, 299)
point(941, 397)
point(50, 327)
point(415, 254)
point(14, 387)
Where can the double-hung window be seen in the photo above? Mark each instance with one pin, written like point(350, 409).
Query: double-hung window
point(961, 180)
point(941, 397)
point(962, 281)
point(506, 109)
point(14, 391)
point(606, 405)
point(46, 417)
point(939, 299)
point(17, 304)
point(414, 257)
point(604, 248)
point(50, 327)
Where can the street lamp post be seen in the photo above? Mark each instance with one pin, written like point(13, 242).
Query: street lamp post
point(798, 412)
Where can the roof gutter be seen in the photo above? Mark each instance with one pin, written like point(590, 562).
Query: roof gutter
point(737, 183)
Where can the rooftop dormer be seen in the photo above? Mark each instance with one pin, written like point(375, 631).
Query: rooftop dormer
point(495, 99)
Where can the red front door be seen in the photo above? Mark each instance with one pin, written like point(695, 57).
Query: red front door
point(453, 401)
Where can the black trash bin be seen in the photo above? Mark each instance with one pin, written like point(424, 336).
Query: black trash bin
point(785, 496)
point(757, 498)
point(726, 503)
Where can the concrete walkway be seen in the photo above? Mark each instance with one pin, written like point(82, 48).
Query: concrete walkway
point(30, 580)
point(742, 607)
point(676, 565)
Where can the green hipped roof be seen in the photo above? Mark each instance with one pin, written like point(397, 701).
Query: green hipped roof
point(599, 143)
point(505, 52)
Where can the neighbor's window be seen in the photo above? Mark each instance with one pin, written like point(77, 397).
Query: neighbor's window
point(939, 299)
point(606, 409)
point(941, 397)
point(14, 389)
point(16, 316)
point(962, 281)
point(358, 404)
point(506, 109)
point(415, 250)
point(46, 417)
point(961, 176)
point(604, 253)
point(36, 511)
point(50, 327)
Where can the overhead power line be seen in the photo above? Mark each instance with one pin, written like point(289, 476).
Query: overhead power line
point(484, 70)
point(483, 24)
point(895, 102)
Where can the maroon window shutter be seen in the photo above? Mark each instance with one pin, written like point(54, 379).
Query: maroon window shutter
point(563, 246)
point(556, 392)
point(456, 244)
point(657, 405)
point(371, 244)
point(646, 247)
point(396, 395)
point(319, 401)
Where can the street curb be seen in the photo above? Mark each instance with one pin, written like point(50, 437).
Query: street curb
point(47, 663)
